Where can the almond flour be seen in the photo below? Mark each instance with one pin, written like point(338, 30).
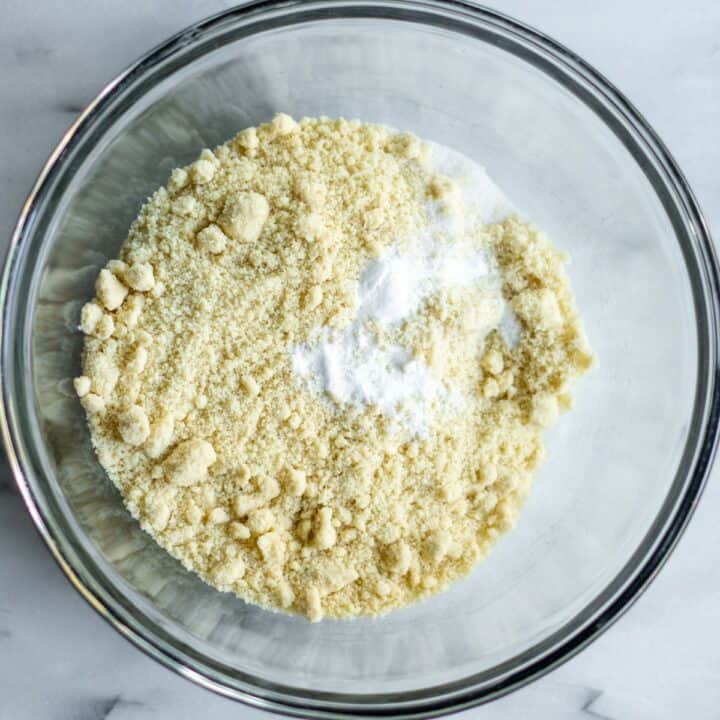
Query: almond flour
point(242, 461)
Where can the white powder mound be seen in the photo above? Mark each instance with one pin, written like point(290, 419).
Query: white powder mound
point(349, 365)
point(392, 286)
point(352, 368)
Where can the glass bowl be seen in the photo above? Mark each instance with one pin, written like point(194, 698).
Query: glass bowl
point(624, 469)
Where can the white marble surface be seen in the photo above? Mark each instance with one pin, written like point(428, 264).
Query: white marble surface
point(59, 661)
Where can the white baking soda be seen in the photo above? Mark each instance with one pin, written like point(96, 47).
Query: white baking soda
point(349, 364)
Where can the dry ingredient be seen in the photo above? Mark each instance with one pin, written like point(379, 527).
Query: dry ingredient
point(319, 371)
point(352, 367)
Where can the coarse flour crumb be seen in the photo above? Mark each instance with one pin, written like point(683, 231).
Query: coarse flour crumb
point(319, 370)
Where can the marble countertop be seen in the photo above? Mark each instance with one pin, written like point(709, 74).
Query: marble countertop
point(60, 661)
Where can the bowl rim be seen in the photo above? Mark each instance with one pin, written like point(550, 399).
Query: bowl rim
point(557, 60)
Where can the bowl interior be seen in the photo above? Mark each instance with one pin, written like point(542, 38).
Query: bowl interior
point(612, 462)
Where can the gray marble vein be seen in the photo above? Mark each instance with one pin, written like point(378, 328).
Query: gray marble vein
point(28, 52)
point(70, 108)
point(114, 706)
point(587, 708)
point(60, 661)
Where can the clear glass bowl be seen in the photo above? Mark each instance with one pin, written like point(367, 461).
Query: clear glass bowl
point(624, 469)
